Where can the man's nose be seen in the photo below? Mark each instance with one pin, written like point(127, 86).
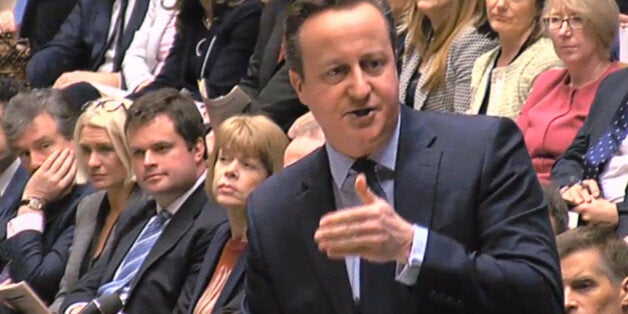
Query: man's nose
point(360, 87)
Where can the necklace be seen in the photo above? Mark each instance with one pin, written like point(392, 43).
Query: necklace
point(597, 76)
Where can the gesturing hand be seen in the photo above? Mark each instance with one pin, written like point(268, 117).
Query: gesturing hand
point(373, 231)
point(54, 178)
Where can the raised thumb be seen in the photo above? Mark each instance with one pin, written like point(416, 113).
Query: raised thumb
point(362, 189)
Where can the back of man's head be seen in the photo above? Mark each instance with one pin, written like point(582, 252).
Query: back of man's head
point(180, 109)
point(24, 107)
point(613, 251)
point(302, 10)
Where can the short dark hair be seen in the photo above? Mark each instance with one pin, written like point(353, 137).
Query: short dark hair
point(301, 10)
point(614, 252)
point(9, 87)
point(24, 107)
point(181, 109)
point(557, 207)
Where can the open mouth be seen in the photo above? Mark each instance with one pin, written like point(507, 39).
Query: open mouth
point(361, 112)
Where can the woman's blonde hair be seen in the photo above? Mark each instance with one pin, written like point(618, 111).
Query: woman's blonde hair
point(601, 18)
point(252, 136)
point(464, 13)
point(110, 115)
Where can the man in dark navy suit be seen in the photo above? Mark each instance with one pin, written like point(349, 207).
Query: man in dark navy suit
point(39, 126)
point(401, 211)
point(90, 45)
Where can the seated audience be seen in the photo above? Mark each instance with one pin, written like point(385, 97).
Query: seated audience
point(266, 81)
point(592, 174)
point(557, 209)
point(594, 266)
point(582, 32)
point(248, 149)
point(150, 47)
point(306, 136)
point(213, 44)
point(39, 127)
point(502, 78)
point(13, 176)
point(90, 45)
point(104, 159)
point(444, 39)
point(37, 20)
point(151, 256)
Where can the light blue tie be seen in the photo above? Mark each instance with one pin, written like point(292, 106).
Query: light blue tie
point(136, 255)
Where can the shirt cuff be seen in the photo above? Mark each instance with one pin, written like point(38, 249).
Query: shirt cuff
point(27, 221)
point(73, 306)
point(407, 274)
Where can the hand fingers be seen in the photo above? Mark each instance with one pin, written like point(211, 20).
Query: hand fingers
point(362, 189)
point(592, 187)
point(50, 160)
point(59, 163)
point(572, 194)
point(68, 177)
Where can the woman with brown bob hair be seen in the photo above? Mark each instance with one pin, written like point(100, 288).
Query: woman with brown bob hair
point(247, 150)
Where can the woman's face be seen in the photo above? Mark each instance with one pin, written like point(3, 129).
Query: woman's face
point(235, 177)
point(99, 159)
point(432, 7)
point(511, 18)
point(573, 46)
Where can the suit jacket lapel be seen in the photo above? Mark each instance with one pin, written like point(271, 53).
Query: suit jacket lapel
point(271, 55)
point(179, 225)
point(214, 250)
point(234, 282)
point(125, 238)
point(10, 200)
point(101, 27)
point(416, 158)
point(130, 26)
point(316, 200)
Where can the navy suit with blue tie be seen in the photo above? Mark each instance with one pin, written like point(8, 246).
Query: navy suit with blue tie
point(468, 180)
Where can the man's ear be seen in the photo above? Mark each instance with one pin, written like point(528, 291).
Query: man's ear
point(199, 149)
point(623, 294)
point(296, 80)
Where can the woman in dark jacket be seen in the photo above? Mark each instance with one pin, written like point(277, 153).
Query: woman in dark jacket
point(214, 41)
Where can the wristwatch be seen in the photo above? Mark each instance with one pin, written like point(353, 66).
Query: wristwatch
point(33, 202)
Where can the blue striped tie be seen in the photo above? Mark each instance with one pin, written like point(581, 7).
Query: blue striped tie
point(136, 255)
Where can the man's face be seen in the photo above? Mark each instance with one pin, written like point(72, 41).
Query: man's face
point(40, 139)
point(163, 164)
point(350, 79)
point(588, 289)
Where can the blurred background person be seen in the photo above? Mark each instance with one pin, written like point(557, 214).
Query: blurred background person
point(37, 20)
point(502, 78)
point(104, 159)
point(444, 38)
point(212, 46)
point(557, 209)
point(248, 149)
point(582, 32)
point(305, 136)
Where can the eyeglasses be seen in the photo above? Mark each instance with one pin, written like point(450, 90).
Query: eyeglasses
point(556, 22)
point(108, 105)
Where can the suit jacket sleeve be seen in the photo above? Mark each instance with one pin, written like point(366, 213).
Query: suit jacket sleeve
point(515, 265)
point(66, 52)
point(40, 268)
